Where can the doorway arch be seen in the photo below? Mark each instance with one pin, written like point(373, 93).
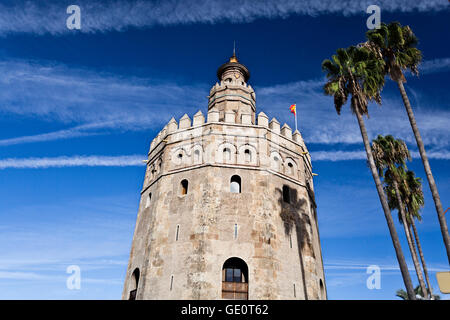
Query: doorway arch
point(235, 279)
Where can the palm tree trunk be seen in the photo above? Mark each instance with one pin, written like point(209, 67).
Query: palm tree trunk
point(422, 258)
point(386, 210)
point(426, 165)
point(410, 241)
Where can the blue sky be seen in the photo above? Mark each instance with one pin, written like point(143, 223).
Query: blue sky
point(78, 110)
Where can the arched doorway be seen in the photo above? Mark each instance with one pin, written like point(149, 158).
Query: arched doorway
point(235, 279)
point(134, 284)
point(322, 290)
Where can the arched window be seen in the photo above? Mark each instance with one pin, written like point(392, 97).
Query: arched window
point(235, 184)
point(290, 168)
point(286, 194)
point(275, 163)
point(235, 279)
point(134, 284)
point(196, 156)
point(226, 154)
point(184, 187)
point(248, 155)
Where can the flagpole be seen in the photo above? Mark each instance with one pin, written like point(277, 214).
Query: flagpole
point(295, 120)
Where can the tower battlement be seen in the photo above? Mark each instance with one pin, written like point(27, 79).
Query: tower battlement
point(212, 118)
point(262, 145)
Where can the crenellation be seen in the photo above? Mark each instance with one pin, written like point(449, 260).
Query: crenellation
point(246, 118)
point(297, 137)
point(286, 132)
point(185, 122)
point(213, 115)
point(164, 133)
point(198, 119)
point(274, 125)
point(230, 117)
point(172, 126)
point(263, 119)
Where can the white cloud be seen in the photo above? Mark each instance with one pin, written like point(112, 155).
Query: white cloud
point(73, 161)
point(94, 103)
point(136, 160)
point(338, 155)
point(319, 123)
point(103, 16)
point(58, 92)
point(349, 265)
point(435, 66)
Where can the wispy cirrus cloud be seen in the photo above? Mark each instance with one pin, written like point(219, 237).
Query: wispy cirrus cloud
point(56, 91)
point(320, 124)
point(93, 103)
point(435, 66)
point(338, 155)
point(136, 160)
point(118, 15)
point(72, 161)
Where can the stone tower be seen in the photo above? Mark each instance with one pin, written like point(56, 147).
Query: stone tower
point(227, 208)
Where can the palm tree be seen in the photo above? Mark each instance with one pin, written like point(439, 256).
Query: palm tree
point(394, 199)
point(356, 72)
point(390, 156)
point(396, 46)
point(402, 294)
point(411, 190)
point(414, 202)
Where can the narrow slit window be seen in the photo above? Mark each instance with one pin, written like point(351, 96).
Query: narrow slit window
point(290, 240)
point(177, 232)
point(235, 230)
point(322, 289)
point(295, 293)
point(149, 198)
point(171, 282)
point(184, 187)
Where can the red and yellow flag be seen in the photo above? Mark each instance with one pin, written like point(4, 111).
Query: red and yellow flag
point(293, 109)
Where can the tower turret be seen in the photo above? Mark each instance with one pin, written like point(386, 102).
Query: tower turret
point(233, 94)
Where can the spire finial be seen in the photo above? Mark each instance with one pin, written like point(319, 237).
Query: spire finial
point(234, 58)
